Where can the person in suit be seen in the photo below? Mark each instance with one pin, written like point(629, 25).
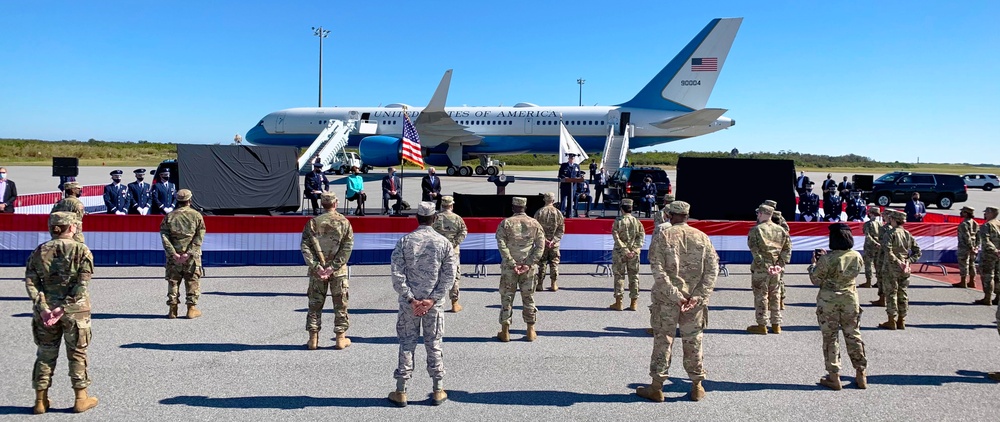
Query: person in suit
point(809, 204)
point(567, 170)
point(116, 198)
point(8, 193)
point(845, 185)
point(316, 183)
point(915, 209)
point(140, 193)
point(391, 185)
point(164, 194)
point(593, 170)
point(430, 187)
point(600, 182)
point(802, 183)
point(828, 184)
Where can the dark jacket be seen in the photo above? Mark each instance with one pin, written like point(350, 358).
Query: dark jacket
point(116, 198)
point(164, 196)
point(315, 181)
point(427, 187)
point(913, 209)
point(9, 196)
point(141, 194)
point(387, 185)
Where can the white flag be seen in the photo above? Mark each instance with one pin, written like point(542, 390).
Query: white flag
point(568, 145)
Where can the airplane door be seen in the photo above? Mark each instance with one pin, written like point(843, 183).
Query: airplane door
point(528, 123)
point(623, 124)
point(279, 125)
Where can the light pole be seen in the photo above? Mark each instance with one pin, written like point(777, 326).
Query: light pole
point(321, 33)
point(580, 82)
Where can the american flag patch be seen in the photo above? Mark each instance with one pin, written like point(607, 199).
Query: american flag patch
point(705, 64)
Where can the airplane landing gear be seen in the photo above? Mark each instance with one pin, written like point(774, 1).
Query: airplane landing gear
point(451, 170)
point(480, 170)
point(465, 171)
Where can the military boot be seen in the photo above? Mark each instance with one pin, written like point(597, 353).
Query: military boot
point(554, 287)
point(438, 397)
point(633, 305)
point(342, 341)
point(193, 312)
point(617, 305)
point(83, 401)
point(531, 335)
point(901, 323)
point(831, 381)
point(697, 391)
point(757, 329)
point(866, 284)
point(649, 331)
point(172, 312)
point(995, 376)
point(398, 398)
point(860, 380)
point(539, 285)
point(776, 328)
point(42, 403)
point(888, 325)
point(455, 306)
point(960, 284)
point(983, 301)
point(504, 334)
point(652, 392)
point(313, 343)
point(971, 284)
point(880, 302)
point(996, 300)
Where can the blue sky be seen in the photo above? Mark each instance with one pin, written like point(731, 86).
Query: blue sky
point(892, 80)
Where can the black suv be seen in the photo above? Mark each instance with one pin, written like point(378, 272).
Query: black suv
point(941, 189)
point(627, 183)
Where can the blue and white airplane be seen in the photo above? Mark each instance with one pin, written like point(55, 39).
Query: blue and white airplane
point(670, 107)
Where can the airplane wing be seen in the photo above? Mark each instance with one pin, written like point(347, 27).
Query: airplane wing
point(437, 127)
point(703, 117)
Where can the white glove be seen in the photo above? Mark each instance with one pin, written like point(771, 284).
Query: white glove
point(120, 212)
point(143, 210)
point(168, 209)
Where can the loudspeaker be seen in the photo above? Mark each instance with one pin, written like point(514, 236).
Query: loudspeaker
point(863, 182)
point(65, 166)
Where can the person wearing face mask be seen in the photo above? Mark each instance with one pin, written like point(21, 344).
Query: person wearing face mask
point(8, 193)
point(355, 191)
point(116, 198)
point(140, 194)
point(164, 194)
point(316, 184)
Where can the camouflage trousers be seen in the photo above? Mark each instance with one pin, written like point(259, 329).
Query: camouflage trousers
point(989, 271)
point(453, 293)
point(622, 266)
point(666, 319)
point(897, 301)
point(766, 297)
point(190, 273)
point(869, 259)
point(337, 286)
point(834, 319)
point(408, 328)
point(510, 282)
point(551, 257)
point(966, 264)
point(74, 330)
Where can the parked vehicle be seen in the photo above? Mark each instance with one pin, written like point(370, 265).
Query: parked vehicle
point(944, 190)
point(985, 182)
point(342, 163)
point(627, 183)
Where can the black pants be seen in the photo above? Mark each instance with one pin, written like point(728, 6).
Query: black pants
point(583, 198)
point(598, 191)
point(315, 205)
point(385, 202)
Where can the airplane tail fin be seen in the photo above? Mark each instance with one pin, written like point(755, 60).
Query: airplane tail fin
point(687, 81)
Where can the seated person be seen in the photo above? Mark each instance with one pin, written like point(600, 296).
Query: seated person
point(648, 199)
point(582, 196)
point(355, 190)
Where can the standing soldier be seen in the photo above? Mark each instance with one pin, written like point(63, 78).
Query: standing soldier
point(554, 224)
point(521, 241)
point(182, 232)
point(140, 192)
point(872, 230)
point(663, 215)
point(164, 198)
point(72, 203)
point(57, 279)
point(809, 204)
point(989, 271)
point(771, 249)
point(879, 258)
point(423, 270)
point(778, 219)
point(837, 306)
point(629, 235)
point(967, 248)
point(327, 241)
point(899, 250)
point(116, 199)
point(684, 265)
point(452, 227)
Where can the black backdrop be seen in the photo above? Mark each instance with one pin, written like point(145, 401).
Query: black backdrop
point(240, 179)
point(492, 205)
point(731, 189)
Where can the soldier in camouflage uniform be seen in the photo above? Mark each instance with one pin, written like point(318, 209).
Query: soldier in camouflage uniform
point(771, 249)
point(521, 241)
point(968, 229)
point(684, 265)
point(423, 271)
point(327, 242)
point(899, 250)
point(662, 216)
point(71, 203)
point(554, 224)
point(989, 271)
point(182, 232)
point(453, 228)
point(629, 235)
point(57, 278)
point(879, 258)
point(872, 230)
point(778, 219)
point(837, 305)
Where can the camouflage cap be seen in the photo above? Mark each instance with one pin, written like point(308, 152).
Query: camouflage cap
point(991, 209)
point(899, 216)
point(770, 203)
point(426, 209)
point(627, 202)
point(61, 218)
point(447, 201)
point(549, 197)
point(519, 201)
point(765, 209)
point(71, 185)
point(328, 198)
point(679, 207)
point(968, 209)
point(184, 195)
point(668, 198)
point(777, 213)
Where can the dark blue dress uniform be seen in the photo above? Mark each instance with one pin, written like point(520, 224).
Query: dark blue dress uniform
point(582, 195)
point(141, 193)
point(856, 209)
point(315, 181)
point(567, 190)
point(164, 195)
point(116, 198)
point(809, 206)
point(832, 207)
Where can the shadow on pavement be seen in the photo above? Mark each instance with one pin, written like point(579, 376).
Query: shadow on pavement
point(212, 347)
point(275, 402)
point(108, 316)
point(538, 398)
point(13, 298)
point(328, 310)
point(962, 376)
point(732, 289)
point(255, 294)
point(953, 326)
point(420, 340)
point(559, 308)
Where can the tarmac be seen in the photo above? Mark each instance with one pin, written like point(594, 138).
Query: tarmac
point(245, 358)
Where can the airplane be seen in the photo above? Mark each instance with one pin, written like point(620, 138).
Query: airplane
point(670, 107)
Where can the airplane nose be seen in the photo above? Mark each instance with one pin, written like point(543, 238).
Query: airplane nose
point(255, 134)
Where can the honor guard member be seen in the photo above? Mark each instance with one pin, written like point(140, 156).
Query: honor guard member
point(423, 271)
point(554, 224)
point(182, 232)
point(164, 194)
point(567, 193)
point(71, 203)
point(452, 227)
point(856, 208)
point(809, 205)
point(771, 248)
point(116, 199)
point(629, 235)
point(837, 306)
point(57, 278)
point(684, 265)
point(967, 248)
point(663, 215)
point(833, 206)
point(989, 235)
point(899, 250)
point(872, 229)
point(327, 242)
point(521, 241)
point(316, 183)
point(141, 194)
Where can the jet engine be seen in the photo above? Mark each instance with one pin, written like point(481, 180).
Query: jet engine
point(381, 151)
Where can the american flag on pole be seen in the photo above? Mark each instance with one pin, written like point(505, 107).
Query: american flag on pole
point(411, 143)
point(705, 64)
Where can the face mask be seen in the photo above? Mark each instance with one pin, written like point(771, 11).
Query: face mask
point(139, 178)
point(3, 176)
point(116, 179)
point(165, 178)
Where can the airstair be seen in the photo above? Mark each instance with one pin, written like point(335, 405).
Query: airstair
point(328, 144)
point(615, 149)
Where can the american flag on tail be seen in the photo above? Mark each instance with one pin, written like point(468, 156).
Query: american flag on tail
point(411, 143)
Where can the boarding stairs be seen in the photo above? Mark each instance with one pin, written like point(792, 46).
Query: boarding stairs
point(615, 149)
point(327, 145)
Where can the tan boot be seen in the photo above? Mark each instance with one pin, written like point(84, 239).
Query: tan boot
point(861, 380)
point(83, 401)
point(504, 334)
point(455, 306)
point(531, 335)
point(831, 381)
point(398, 398)
point(775, 329)
point(983, 301)
point(649, 331)
point(617, 305)
point(193, 312)
point(172, 313)
point(42, 403)
point(757, 329)
point(865, 284)
point(971, 284)
point(697, 391)
point(313, 343)
point(438, 397)
point(651, 392)
point(901, 323)
point(539, 286)
point(633, 305)
point(554, 287)
point(960, 284)
point(888, 325)
point(880, 302)
point(342, 341)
